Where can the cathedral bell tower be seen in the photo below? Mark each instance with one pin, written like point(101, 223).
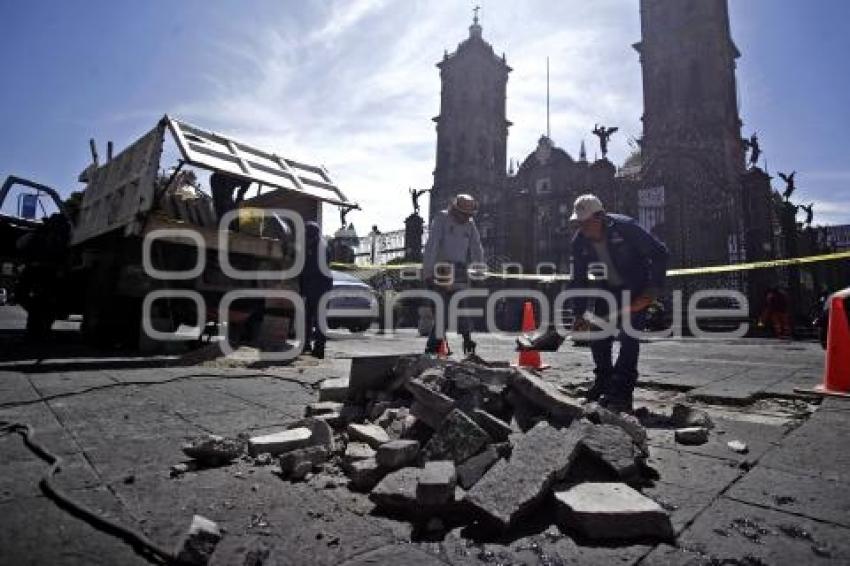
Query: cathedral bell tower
point(472, 130)
point(692, 152)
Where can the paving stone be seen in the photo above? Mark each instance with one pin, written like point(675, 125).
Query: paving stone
point(612, 511)
point(427, 415)
point(514, 488)
point(545, 395)
point(334, 389)
point(364, 474)
point(473, 469)
point(323, 408)
point(371, 434)
point(457, 439)
point(397, 454)
point(321, 433)
point(397, 491)
point(823, 499)
point(730, 532)
point(682, 503)
point(611, 446)
point(405, 554)
point(296, 464)
point(355, 451)
point(431, 398)
point(818, 447)
point(691, 436)
point(630, 424)
point(279, 442)
point(437, 481)
point(498, 429)
point(371, 372)
point(693, 471)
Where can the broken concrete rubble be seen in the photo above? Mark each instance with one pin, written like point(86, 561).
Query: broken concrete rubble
point(334, 389)
point(684, 416)
point(437, 482)
point(612, 511)
point(364, 474)
point(738, 446)
point(371, 372)
point(355, 451)
point(692, 436)
point(397, 454)
point(371, 434)
point(213, 450)
point(397, 491)
point(600, 415)
point(298, 463)
point(556, 405)
point(469, 472)
point(514, 488)
point(614, 449)
point(279, 442)
point(498, 429)
point(437, 402)
point(457, 439)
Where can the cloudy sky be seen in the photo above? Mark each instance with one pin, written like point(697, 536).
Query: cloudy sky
point(352, 83)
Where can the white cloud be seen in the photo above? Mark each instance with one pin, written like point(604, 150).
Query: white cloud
point(357, 89)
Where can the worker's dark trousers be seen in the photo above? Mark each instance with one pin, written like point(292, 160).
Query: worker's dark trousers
point(618, 379)
point(313, 334)
point(464, 325)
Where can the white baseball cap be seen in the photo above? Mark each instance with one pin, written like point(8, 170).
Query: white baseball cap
point(585, 207)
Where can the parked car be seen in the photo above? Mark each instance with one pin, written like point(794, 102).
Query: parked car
point(351, 293)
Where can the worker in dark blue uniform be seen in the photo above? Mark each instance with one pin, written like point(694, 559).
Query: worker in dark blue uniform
point(635, 261)
point(314, 284)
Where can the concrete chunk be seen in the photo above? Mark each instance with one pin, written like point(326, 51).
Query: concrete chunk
point(355, 451)
point(546, 396)
point(457, 439)
point(371, 372)
point(630, 424)
point(692, 436)
point(611, 446)
point(371, 434)
point(429, 397)
point(397, 491)
point(280, 442)
point(684, 416)
point(364, 474)
point(469, 472)
point(199, 543)
point(297, 463)
point(334, 389)
point(323, 408)
point(437, 483)
point(612, 511)
point(427, 415)
point(514, 488)
point(397, 454)
point(498, 429)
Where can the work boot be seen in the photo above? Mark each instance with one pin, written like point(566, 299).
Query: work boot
point(618, 403)
point(468, 346)
point(548, 341)
point(596, 391)
point(318, 350)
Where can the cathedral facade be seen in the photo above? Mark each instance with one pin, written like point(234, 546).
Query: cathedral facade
point(688, 183)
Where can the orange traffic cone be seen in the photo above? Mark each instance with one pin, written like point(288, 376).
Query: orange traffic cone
point(836, 375)
point(443, 349)
point(529, 358)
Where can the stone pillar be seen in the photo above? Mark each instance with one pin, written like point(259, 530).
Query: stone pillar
point(413, 229)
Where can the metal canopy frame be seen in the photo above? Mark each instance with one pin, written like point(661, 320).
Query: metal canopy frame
point(203, 148)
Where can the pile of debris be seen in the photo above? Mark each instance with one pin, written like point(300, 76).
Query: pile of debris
point(468, 442)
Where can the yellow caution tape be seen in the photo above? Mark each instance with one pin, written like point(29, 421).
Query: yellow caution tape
point(670, 273)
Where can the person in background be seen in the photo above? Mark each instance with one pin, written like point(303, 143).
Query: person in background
point(314, 283)
point(453, 245)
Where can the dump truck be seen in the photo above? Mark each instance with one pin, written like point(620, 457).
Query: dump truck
point(181, 214)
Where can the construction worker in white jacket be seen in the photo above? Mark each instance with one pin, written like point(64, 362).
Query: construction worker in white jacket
point(453, 245)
